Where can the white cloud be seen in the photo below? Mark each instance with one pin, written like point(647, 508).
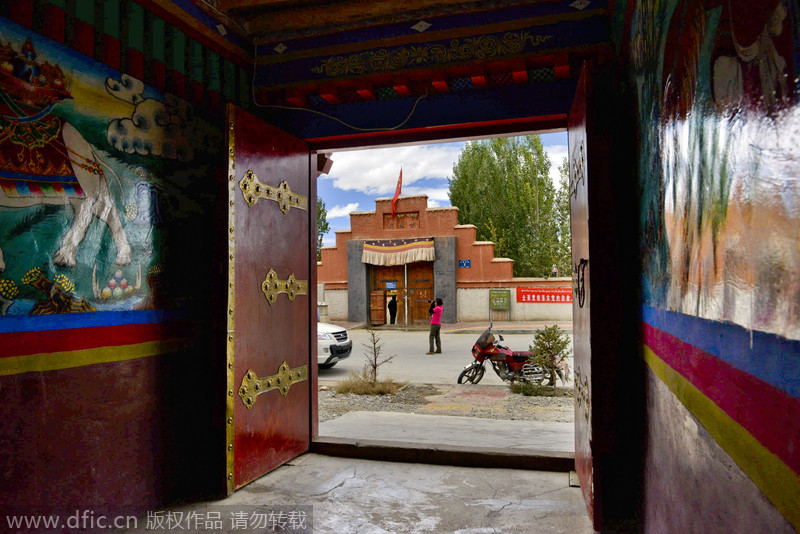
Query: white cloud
point(557, 153)
point(374, 172)
point(435, 194)
point(341, 211)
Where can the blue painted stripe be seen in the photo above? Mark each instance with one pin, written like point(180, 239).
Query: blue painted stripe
point(771, 358)
point(35, 323)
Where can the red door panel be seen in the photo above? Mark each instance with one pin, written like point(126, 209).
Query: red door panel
point(581, 298)
point(270, 297)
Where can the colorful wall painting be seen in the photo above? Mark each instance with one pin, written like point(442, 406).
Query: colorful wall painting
point(719, 127)
point(720, 148)
point(105, 185)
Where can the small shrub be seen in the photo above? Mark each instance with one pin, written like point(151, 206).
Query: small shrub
point(362, 384)
point(366, 382)
point(550, 349)
point(373, 354)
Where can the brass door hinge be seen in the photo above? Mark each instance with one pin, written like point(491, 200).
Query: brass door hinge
point(252, 386)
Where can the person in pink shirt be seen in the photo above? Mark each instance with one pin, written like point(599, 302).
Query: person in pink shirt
point(436, 325)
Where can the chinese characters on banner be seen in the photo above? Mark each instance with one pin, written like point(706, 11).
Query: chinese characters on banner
point(544, 294)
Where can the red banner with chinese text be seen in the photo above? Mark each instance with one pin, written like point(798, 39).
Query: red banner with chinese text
point(544, 294)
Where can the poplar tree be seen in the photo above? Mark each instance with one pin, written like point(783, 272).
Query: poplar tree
point(322, 225)
point(503, 187)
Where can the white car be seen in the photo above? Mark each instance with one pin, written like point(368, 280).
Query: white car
point(333, 344)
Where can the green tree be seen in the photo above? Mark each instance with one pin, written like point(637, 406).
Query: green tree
point(322, 225)
point(564, 247)
point(503, 187)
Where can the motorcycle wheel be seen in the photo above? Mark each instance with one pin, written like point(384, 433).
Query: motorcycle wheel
point(472, 374)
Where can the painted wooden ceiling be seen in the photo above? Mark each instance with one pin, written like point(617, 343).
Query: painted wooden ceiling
point(331, 71)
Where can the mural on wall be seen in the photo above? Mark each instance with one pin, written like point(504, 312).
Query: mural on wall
point(103, 184)
point(721, 212)
point(719, 124)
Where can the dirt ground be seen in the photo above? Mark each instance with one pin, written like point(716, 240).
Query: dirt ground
point(486, 401)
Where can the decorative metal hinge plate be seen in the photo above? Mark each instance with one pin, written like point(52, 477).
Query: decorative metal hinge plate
point(271, 286)
point(252, 386)
point(254, 190)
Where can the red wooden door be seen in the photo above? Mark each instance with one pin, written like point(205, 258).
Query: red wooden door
point(420, 284)
point(581, 298)
point(377, 307)
point(608, 425)
point(270, 341)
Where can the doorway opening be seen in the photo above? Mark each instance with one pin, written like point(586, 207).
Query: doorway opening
point(348, 198)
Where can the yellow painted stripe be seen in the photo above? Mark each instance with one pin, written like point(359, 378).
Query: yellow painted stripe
point(53, 361)
point(779, 483)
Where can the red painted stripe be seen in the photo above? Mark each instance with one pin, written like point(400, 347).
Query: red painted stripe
point(177, 84)
point(54, 23)
point(83, 38)
point(135, 64)
point(34, 189)
point(197, 93)
point(214, 101)
point(112, 50)
point(768, 413)
point(441, 133)
point(22, 12)
point(24, 343)
point(158, 74)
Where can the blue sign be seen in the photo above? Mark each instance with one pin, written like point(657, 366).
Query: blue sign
point(464, 264)
point(391, 285)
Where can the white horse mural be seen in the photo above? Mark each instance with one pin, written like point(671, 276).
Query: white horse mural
point(44, 159)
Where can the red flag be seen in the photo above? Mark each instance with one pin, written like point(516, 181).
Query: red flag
point(397, 192)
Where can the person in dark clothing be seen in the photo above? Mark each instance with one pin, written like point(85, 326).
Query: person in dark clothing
point(392, 309)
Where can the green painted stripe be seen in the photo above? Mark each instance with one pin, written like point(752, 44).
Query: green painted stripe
point(84, 11)
point(158, 40)
point(178, 59)
point(196, 60)
point(244, 88)
point(62, 4)
point(229, 80)
point(111, 18)
point(38, 16)
point(214, 82)
point(136, 26)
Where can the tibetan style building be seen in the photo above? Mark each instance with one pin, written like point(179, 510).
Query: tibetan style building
point(422, 253)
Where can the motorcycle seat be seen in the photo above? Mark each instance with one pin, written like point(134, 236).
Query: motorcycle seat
point(521, 355)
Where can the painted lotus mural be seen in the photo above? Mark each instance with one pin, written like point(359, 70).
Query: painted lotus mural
point(103, 185)
point(721, 200)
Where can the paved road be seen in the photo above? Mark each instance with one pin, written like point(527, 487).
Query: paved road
point(411, 364)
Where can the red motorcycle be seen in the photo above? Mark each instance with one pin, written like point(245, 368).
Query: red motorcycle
point(509, 365)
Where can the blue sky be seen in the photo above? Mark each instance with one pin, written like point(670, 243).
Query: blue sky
point(358, 177)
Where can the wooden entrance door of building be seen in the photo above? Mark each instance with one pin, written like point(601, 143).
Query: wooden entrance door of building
point(387, 280)
point(420, 291)
point(271, 386)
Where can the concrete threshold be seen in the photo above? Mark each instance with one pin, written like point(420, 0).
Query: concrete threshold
point(449, 440)
point(457, 456)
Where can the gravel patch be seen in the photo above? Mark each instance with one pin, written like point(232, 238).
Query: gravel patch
point(491, 402)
